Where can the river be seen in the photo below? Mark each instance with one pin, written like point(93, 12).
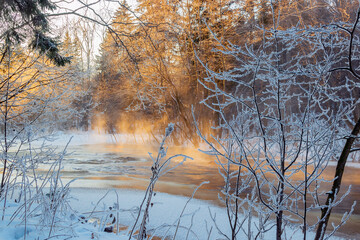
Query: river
point(121, 165)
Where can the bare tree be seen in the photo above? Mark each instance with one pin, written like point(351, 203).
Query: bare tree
point(282, 121)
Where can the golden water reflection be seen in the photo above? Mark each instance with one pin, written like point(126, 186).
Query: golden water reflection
point(128, 166)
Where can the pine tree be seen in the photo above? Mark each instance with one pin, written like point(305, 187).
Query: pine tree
point(117, 68)
point(26, 19)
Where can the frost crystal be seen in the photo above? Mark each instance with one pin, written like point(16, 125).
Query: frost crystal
point(169, 129)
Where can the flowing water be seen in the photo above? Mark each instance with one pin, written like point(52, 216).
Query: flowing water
point(112, 165)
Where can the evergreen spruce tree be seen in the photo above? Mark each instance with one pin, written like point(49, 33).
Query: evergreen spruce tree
point(26, 20)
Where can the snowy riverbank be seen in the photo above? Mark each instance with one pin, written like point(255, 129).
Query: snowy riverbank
point(90, 213)
point(101, 162)
point(96, 137)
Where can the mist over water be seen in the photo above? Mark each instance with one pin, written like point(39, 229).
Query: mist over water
point(99, 160)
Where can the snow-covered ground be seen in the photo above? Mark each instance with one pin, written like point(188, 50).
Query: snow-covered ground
point(96, 137)
point(89, 210)
point(90, 213)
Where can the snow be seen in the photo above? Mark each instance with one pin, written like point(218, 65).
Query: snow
point(348, 164)
point(95, 137)
point(84, 138)
point(93, 205)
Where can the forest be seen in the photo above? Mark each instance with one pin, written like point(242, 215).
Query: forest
point(268, 89)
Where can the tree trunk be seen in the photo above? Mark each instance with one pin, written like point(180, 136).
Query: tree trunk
point(325, 212)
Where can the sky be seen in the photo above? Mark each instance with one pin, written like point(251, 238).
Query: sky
point(100, 10)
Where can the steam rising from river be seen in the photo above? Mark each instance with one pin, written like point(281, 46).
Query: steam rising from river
point(141, 129)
